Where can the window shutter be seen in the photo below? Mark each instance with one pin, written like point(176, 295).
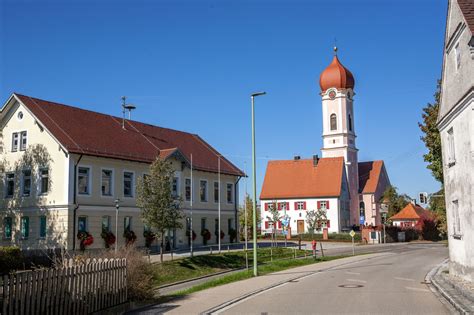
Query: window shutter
point(266, 224)
point(304, 205)
point(319, 204)
point(279, 206)
point(266, 207)
point(279, 224)
point(296, 205)
point(327, 204)
point(329, 224)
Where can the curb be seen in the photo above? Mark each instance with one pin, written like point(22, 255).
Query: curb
point(199, 278)
point(431, 279)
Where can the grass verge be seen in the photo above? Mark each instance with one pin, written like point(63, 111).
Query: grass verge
point(263, 270)
point(197, 266)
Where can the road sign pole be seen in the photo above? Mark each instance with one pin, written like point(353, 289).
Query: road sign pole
point(353, 253)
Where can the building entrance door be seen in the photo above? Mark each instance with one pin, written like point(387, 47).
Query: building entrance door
point(300, 226)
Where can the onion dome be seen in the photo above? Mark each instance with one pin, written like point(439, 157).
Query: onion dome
point(336, 76)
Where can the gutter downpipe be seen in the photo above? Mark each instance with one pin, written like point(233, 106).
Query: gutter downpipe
point(76, 206)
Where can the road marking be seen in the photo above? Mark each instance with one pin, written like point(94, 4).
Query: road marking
point(356, 280)
point(403, 279)
point(417, 289)
point(352, 273)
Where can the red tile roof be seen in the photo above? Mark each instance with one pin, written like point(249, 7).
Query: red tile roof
point(86, 132)
point(410, 212)
point(300, 179)
point(369, 176)
point(467, 9)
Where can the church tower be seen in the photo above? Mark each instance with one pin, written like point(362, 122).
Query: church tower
point(337, 85)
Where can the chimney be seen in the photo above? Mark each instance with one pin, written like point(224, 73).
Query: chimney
point(315, 160)
point(297, 158)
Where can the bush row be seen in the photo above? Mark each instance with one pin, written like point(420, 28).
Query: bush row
point(11, 259)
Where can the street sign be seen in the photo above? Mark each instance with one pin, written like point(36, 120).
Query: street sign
point(362, 219)
point(352, 233)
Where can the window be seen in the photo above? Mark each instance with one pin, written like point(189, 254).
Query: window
point(300, 205)
point(230, 225)
point(15, 141)
point(10, 185)
point(44, 180)
point(350, 122)
point(26, 188)
point(42, 226)
point(7, 228)
point(20, 115)
point(174, 187)
point(25, 227)
point(23, 141)
point(82, 224)
point(457, 56)
point(322, 205)
point(456, 220)
point(216, 191)
point(187, 189)
point(203, 223)
point(216, 228)
point(127, 224)
point(203, 190)
point(83, 178)
point(107, 182)
point(269, 206)
point(283, 206)
point(106, 223)
point(128, 184)
point(333, 122)
point(451, 149)
point(230, 193)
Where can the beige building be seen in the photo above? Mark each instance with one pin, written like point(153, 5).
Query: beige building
point(66, 170)
point(456, 127)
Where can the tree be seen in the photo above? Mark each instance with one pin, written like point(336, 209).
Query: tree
point(431, 136)
point(315, 219)
point(249, 204)
point(438, 206)
point(274, 218)
point(394, 201)
point(161, 211)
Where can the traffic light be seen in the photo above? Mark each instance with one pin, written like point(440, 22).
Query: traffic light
point(423, 198)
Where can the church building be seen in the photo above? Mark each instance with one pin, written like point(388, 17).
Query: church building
point(349, 190)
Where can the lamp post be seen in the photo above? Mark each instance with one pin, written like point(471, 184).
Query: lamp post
point(254, 184)
point(117, 207)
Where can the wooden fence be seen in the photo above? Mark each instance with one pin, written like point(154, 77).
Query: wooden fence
point(76, 288)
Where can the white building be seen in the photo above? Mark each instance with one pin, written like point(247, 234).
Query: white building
point(349, 190)
point(456, 126)
point(64, 167)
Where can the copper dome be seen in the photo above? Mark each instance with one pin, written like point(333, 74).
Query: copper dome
point(336, 76)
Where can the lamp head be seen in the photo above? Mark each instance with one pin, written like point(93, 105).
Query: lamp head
point(258, 94)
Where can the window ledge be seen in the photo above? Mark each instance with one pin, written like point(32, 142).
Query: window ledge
point(457, 236)
point(451, 164)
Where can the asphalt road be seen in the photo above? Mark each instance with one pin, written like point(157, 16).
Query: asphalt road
point(391, 284)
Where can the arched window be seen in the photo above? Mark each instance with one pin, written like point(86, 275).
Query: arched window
point(333, 122)
point(350, 123)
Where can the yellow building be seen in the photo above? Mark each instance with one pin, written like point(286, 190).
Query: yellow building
point(66, 170)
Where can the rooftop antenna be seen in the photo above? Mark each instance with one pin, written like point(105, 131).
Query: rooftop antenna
point(126, 107)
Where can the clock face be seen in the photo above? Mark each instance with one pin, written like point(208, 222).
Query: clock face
point(332, 94)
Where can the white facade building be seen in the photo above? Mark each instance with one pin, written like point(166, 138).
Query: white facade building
point(456, 126)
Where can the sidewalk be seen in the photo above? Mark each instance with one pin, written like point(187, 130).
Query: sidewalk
point(200, 302)
point(458, 292)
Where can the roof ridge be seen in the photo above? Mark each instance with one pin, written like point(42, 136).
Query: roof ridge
point(102, 114)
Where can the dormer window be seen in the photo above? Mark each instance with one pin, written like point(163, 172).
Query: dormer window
point(333, 122)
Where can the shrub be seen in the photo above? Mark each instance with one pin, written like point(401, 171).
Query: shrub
point(108, 237)
point(149, 238)
point(232, 235)
point(332, 236)
point(428, 227)
point(139, 272)
point(11, 259)
point(206, 236)
point(194, 234)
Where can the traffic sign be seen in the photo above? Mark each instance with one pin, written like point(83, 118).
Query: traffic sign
point(362, 219)
point(352, 233)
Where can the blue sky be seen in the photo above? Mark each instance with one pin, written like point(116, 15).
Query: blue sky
point(191, 65)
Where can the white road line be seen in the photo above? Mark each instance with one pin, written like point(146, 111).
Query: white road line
point(417, 289)
point(356, 280)
point(403, 279)
point(352, 273)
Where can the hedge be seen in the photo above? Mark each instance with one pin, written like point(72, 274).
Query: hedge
point(332, 237)
point(11, 259)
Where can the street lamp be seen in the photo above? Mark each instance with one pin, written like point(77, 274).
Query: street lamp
point(254, 184)
point(117, 207)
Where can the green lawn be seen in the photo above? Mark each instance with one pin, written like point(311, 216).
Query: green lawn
point(193, 267)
